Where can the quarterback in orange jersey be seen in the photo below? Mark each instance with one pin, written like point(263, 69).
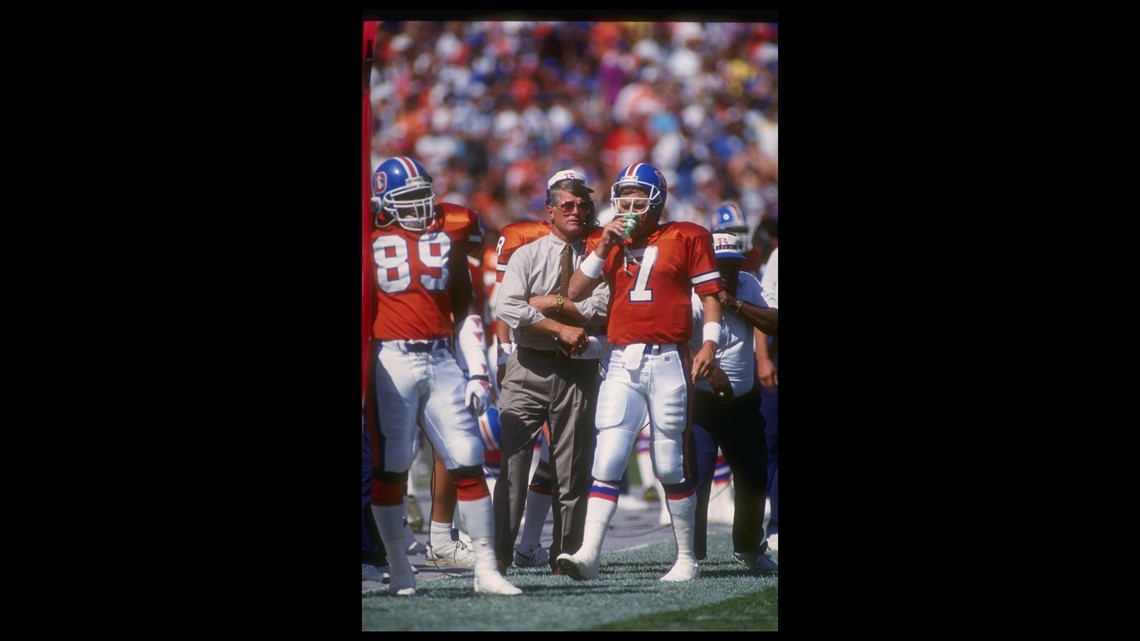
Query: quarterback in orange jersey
point(651, 279)
point(422, 282)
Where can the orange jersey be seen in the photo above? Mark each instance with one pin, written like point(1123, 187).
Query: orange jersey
point(413, 274)
point(654, 306)
point(512, 237)
point(488, 270)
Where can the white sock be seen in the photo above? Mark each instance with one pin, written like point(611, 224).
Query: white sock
point(484, 550)
point(599, 512)
point(684, 512)
point(479, 517)
point(390, 522)
point(440, 534)
point(537, 507)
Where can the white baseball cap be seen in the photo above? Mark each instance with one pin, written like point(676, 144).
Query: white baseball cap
point(568, 174)
point(727, 246)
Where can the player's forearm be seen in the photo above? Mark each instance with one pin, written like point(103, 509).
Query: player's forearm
point(589, 273)
point(581, 286)
point(712, 325)
point(711, 304)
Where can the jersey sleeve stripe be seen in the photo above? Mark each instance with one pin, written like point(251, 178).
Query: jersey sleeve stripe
point(706, 277)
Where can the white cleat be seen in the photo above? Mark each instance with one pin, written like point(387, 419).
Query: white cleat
point(494, 583)
point(683, 570)
point(579, 569)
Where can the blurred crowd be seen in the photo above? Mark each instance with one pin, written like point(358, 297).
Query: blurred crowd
point(492, 109)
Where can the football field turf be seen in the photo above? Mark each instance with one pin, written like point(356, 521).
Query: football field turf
point(628, 596)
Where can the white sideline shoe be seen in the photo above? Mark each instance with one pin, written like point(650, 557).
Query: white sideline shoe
point(579, 569)
point(495, 583)
point(683, 570)
point(454, 554)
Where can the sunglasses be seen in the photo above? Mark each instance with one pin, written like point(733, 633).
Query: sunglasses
point(582, 207)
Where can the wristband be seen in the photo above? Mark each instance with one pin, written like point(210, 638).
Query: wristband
point(592, 266)
point(712, 333)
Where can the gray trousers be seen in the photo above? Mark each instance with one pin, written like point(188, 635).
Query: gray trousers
point(539, 387)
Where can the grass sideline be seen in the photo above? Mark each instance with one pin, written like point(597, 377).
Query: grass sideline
point(628, 596)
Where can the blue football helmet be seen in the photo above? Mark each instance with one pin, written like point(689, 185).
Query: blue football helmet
point(403, 193)
point(729, 218)
point(646, 177)
point(489, 429)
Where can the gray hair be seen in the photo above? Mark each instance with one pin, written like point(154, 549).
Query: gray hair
point(572, 185)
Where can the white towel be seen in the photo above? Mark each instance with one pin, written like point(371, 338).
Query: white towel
point(632, 356)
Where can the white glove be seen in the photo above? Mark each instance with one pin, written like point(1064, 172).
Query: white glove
point(478, 395)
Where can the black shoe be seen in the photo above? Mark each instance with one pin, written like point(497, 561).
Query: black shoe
point(760, 562)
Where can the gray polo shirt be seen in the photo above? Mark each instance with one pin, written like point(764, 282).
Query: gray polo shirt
point(534, 270)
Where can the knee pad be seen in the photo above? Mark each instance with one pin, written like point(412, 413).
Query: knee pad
point(398, 478)
point(667, 454)
point(467, 472)
point(470, 483)
point(388, 488)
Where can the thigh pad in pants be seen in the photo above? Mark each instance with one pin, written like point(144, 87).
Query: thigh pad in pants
point(620, 415)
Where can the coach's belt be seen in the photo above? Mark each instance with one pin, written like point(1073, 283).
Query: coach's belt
point(547, 353)
point(419, 346)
